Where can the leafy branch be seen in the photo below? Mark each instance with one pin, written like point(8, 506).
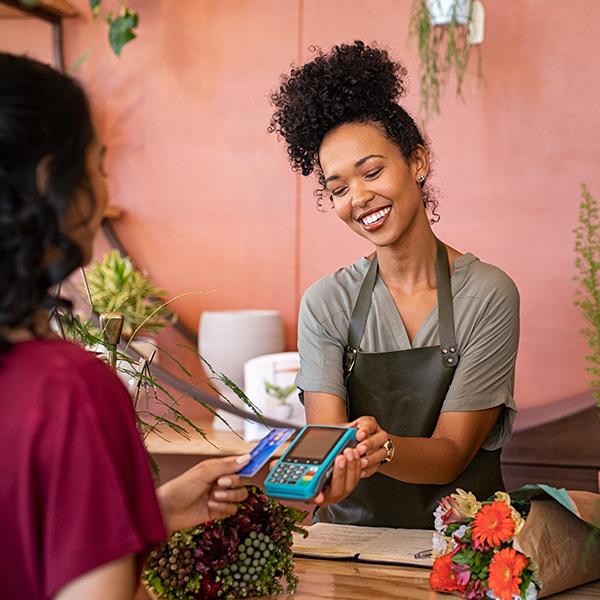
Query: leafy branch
point(587, 297)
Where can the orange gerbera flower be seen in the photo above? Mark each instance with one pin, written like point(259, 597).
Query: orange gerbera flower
point(505, 573)
point(493, 524)
point(442, 578)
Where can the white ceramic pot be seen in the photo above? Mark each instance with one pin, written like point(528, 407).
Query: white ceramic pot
point(227, 339)
point(283, 411)
point(279, 369)
point(441, 11)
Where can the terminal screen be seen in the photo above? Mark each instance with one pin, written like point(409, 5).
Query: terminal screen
point(316, 443)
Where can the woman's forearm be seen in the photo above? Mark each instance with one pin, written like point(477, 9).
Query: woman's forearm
point(424, 460)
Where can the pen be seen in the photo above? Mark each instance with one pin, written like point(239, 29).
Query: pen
point(424, 553)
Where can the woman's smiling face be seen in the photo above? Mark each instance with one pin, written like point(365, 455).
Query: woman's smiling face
point(374, 189)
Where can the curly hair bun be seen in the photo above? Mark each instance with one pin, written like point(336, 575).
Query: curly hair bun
point(352, 83)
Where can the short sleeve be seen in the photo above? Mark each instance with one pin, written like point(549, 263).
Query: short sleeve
point(99, 502)
point(484, 377)
point(320, 348)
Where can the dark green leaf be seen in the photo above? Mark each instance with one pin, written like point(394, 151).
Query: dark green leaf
point(121, 30)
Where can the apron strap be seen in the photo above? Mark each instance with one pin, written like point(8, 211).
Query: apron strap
point(445, 308)
point(358, 320)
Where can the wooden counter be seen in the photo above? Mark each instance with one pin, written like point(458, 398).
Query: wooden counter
point(320, 579)
point(217, 443)
point(348, 580)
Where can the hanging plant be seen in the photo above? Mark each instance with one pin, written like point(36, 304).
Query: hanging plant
point(121, 29)
point(445, 31)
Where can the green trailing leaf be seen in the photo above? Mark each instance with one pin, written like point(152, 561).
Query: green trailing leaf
point(587, 264)
point(121, 30)
point(95, 6)
point(80, 61)
point(230, 384)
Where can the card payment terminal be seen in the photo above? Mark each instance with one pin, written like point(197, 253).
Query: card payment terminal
point(307, 464)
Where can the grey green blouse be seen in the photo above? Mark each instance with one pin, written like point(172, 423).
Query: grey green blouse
point(486, 317)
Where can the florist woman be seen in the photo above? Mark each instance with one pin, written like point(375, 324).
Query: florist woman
point(415, 344)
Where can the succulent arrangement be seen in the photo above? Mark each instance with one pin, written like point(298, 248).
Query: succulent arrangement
point(246, 555)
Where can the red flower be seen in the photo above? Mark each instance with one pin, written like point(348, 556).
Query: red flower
point(493, 524)
point(505, 573)
point(210, 588)
point(443, 577)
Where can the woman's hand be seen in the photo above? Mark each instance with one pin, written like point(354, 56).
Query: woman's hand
point(370, 437)
point(345, 477)
point(209, 490)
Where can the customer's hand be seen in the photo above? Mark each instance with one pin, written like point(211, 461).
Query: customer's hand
point(370, 437)
point(209, 490)
point(345, 477)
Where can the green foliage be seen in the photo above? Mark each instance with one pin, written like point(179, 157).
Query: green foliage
point(280, 394)
point(442, 50)
point(121, 29)
point(115, 285)
point(587, 264)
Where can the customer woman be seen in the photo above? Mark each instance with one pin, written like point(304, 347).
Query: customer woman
point(415, 344)
point(77, 503)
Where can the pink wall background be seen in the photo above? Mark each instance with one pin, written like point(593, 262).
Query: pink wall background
point(26, 36)
point(211, 203)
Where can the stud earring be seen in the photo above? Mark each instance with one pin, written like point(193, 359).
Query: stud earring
point(420, 178)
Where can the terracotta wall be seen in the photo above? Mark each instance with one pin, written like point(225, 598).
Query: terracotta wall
point(210, 201)
point(26, 36)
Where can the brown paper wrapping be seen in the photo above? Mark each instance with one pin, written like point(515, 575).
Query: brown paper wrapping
point(562, 545)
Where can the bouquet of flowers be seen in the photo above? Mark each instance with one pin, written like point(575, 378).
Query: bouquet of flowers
point(507, 547)
point(245, 555)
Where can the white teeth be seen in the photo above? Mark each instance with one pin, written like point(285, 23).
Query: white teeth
point(374, 217)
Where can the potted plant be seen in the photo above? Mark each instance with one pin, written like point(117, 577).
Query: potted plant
point(445, 31)
point(587, 296)
point(116, 286)
point(587, 263)
point(283, 408)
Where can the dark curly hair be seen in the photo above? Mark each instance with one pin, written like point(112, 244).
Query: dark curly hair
point(353, 83)
point(44, 116)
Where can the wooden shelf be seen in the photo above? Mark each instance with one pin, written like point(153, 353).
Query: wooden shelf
point(60, 8)
point(113, 212)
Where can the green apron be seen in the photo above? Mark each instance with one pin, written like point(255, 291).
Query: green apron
point(404, 390)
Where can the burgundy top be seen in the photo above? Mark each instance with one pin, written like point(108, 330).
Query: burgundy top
point(75, 485)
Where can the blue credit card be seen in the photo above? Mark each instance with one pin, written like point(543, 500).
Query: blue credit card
point(263, 451)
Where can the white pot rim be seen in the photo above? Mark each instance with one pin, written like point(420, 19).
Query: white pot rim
point(227, 314)
point(440, 11)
